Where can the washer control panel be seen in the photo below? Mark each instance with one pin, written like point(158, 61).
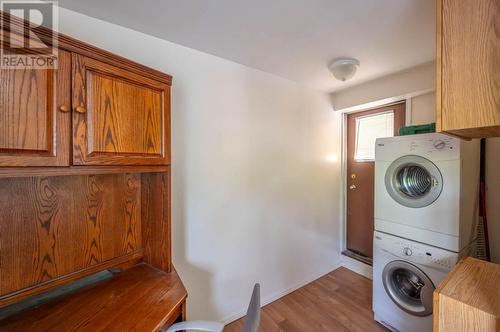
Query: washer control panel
point(415, 252)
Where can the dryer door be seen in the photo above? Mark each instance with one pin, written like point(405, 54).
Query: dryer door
point(408, 287)
point(413, 181)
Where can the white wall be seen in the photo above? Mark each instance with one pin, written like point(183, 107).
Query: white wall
point(407, 83)
point(423, 109)
point(254, 198)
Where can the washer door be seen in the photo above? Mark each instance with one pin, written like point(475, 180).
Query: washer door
point(408, 287)
point(413, 181)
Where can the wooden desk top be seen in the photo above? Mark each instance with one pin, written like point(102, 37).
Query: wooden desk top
point(141, 298)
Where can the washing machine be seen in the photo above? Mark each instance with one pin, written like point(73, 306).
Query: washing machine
point(427, 189)
point(405, 274)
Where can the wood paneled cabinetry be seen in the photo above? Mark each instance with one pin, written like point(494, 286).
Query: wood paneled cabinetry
point(468, 67)
point(85, 189)
point(34, 129)
point(119, 117)
point(111, 115)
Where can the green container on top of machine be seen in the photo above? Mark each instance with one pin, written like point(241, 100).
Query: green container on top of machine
point(420, 129)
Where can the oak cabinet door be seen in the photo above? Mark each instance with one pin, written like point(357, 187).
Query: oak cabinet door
point(119, 117)
point(35, 119)
point(468, 68)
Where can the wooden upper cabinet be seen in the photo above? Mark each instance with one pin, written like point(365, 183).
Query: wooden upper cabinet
point(119, 117)
point(35, 117)
point(468, 67)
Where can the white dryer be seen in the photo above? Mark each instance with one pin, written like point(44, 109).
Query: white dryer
point(427, 188)
point(405, 274)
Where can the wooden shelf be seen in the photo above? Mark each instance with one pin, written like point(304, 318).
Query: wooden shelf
point(12, 172)
point(115, 263)
point(141, 298)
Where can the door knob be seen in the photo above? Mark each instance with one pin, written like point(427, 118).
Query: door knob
point(80, 109)
point(352, 187)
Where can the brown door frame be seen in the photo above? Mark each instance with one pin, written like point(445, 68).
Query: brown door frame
point(345, 113)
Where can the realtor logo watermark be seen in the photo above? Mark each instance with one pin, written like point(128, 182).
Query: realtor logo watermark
point(29, 46)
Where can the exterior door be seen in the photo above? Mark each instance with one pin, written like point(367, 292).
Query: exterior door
point(35, 117)
point(119, 117)
point(363, 129)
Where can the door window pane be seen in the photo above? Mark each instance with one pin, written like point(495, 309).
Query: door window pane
point(368, 129)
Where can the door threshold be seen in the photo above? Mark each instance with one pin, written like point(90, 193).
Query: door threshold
point(357, 266)
point(358, 257)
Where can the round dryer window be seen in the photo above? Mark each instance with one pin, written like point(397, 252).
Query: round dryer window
point(408, 287)
point(413, 181)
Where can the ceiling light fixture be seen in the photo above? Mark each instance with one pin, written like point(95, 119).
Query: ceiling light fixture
point(344, 68)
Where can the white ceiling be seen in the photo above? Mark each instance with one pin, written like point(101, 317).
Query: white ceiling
point(294, 39)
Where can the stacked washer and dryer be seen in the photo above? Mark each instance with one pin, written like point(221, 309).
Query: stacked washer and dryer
point(426, 214)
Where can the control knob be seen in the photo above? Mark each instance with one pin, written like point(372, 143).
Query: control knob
point(407, 251)
point(439, 144)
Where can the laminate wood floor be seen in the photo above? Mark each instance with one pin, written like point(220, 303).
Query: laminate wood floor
point(338, 301)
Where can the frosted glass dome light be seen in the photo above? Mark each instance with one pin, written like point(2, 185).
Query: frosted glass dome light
point(344, 68)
